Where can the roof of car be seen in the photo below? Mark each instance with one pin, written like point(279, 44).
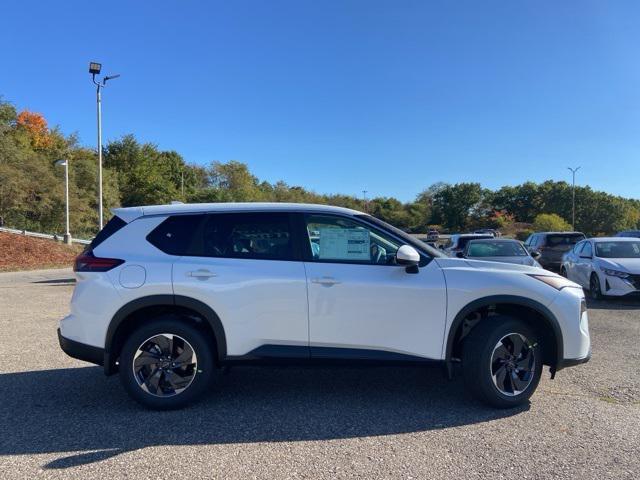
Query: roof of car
point(558, 233)
point(613, 239)
point(131, 213)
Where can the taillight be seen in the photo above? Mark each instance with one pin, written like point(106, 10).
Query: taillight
point(88, 262)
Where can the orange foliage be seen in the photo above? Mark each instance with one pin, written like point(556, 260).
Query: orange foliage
point(36, 125)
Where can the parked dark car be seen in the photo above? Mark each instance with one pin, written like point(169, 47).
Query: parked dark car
point(433, 235)
point(629, 233)
point(458, 242)
point(552, 246)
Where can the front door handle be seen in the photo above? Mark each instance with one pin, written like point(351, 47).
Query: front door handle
point(201, 274)
point(328, 281)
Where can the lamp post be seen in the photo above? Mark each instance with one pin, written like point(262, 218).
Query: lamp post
point(364, 200)
point(573, 197)
point(94, 69)
point(65, 164)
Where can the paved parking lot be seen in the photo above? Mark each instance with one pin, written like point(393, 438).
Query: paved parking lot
point(63, 418)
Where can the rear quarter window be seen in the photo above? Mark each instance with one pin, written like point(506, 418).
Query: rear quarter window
point(177, 234)
point(112, 226)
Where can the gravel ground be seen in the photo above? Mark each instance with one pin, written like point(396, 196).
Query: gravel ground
point(62, 418)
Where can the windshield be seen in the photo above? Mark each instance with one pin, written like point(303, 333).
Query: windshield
point(414, 242)
point(495, 249)
point(618, 249)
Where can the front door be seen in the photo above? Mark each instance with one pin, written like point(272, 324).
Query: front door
point(363, 305)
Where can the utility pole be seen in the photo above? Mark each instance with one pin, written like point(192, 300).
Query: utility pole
point(94, 69)
point(573, 197)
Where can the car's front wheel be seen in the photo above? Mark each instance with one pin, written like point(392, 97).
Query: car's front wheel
point(166, 363)
point(502, 362)
point(595, 290)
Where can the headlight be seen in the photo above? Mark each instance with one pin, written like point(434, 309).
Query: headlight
point(614, 273)
point(553, 281)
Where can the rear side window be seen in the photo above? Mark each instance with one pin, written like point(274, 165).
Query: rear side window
point(112, 226)
point(177, 235)
point(265, 236)
point(556, 240)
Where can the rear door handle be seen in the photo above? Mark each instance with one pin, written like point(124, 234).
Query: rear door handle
point(201, 274)
point(328, 281)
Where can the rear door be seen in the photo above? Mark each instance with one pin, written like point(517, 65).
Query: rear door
point(363, 305)
point(246, 267)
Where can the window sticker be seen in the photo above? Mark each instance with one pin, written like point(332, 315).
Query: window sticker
point(345, 244)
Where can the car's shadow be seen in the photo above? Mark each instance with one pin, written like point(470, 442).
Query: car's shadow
point(78, 409)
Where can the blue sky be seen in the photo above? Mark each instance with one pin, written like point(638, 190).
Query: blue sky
point(341, 96)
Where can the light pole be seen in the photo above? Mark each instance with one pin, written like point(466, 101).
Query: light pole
point(94, 69)
point(65, 164)
point(364, 199)
point(573, 197)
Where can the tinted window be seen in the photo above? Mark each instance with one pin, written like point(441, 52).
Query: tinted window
point(462, 241)
point(112, 226)
point(177, 234)
point(264, 236)
point(564, 239)
point(346, 241)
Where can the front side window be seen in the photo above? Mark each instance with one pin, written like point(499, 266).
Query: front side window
point(586, 250)
point(265, 236)
point(337, 239)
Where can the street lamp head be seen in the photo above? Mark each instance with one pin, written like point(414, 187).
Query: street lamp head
point(62, 163)
point(94, 68)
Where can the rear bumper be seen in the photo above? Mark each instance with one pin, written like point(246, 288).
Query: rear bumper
point(81, 351)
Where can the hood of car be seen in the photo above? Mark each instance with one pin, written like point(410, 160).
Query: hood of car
point(630, 265)
point(484, 265)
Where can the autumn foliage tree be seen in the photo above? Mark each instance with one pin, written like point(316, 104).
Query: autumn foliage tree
point(36, 126)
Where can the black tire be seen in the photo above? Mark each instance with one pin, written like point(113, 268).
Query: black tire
point(195, 377)
point(477, 365)
point(595, 290)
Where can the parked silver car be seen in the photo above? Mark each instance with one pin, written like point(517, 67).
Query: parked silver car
point(500, 250)
point(605, 266)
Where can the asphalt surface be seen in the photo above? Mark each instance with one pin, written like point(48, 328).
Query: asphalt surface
point(61, 418)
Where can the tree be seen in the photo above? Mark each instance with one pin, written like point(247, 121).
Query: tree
point(550, 222)
point(454, 204)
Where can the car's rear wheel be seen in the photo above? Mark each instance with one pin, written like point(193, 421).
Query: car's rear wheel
point(595, 290)
point(502, 362)
point(167, 363)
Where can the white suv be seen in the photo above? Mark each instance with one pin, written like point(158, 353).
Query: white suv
point(169, 294)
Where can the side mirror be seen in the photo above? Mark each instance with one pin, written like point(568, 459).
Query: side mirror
point(535, 255)
point(408, 257)
point(460, 254)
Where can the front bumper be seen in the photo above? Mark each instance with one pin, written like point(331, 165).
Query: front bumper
point(81, 351)
point(572, 362)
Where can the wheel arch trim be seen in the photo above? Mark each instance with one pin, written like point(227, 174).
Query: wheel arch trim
point(509, 299)
point(133, 306)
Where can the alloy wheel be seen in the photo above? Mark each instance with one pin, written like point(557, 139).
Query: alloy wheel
point(513, 364)
point(165, 365)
